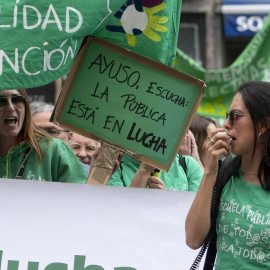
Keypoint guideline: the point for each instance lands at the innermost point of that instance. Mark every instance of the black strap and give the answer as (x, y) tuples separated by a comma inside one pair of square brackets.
[(182, 162), (121, 170), (21, 169), (223, 177), (208, 240)]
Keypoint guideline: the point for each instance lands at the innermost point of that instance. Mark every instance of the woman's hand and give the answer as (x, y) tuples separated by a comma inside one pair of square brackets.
[(216, 146), (156, 183), (142, 175), (198, 219), (186, 146), (117, 162), (190, 148), (146, 168)]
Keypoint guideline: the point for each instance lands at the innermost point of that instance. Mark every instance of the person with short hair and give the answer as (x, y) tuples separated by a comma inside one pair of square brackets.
[(41, 114), (84, 148)]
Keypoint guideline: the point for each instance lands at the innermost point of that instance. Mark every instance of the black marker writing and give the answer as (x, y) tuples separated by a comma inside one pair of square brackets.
[(116, 125), (81, 110), (159, 91), (105, 93), (141, 109), (148, 140), (121, 73)]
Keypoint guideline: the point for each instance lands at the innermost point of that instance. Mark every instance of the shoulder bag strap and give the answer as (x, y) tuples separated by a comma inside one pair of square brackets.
[(224, 175), (182, 162)]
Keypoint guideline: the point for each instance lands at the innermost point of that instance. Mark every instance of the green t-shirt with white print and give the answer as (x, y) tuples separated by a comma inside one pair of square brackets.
[(243, 227), (59, 163), (174, 179)]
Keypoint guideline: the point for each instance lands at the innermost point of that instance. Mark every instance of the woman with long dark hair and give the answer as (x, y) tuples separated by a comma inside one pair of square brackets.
[(243, 219)]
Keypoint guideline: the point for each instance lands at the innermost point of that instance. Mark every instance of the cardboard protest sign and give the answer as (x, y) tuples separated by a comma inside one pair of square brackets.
[(40, 39), (130, 101)]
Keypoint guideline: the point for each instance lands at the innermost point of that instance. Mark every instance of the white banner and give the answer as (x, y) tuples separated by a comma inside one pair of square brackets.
[(60, 226)]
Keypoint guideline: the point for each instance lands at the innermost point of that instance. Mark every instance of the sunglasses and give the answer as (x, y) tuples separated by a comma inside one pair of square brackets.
[(17, 101), (233, 116)]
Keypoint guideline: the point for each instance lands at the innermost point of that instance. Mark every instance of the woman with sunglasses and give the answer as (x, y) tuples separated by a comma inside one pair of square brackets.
[(243, 218), (27, 152)]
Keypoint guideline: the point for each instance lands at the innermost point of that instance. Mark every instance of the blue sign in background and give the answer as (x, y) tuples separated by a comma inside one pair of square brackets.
[(243, 25), (244, 18), (245, 2)]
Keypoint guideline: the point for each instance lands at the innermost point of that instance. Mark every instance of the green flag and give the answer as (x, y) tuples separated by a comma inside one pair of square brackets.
[(40, 39), (253, 64)]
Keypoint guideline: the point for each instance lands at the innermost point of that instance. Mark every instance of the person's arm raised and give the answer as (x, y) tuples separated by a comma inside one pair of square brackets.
[(142, 175), (198, 219)]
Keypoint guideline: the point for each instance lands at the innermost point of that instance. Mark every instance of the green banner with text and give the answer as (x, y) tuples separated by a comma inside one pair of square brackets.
[(40, 39), (253, 64)]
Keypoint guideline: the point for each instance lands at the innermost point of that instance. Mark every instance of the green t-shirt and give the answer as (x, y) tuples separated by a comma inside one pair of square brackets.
[(243, 227), (174, 179), (59, 163)]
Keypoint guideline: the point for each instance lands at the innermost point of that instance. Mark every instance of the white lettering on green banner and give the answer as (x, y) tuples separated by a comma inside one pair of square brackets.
[(40, 39)]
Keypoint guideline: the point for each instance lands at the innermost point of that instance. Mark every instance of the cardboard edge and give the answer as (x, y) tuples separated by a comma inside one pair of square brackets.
[(138, 58)]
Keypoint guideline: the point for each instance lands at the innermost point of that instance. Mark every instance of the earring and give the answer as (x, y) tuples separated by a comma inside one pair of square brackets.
[(259, 137)]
